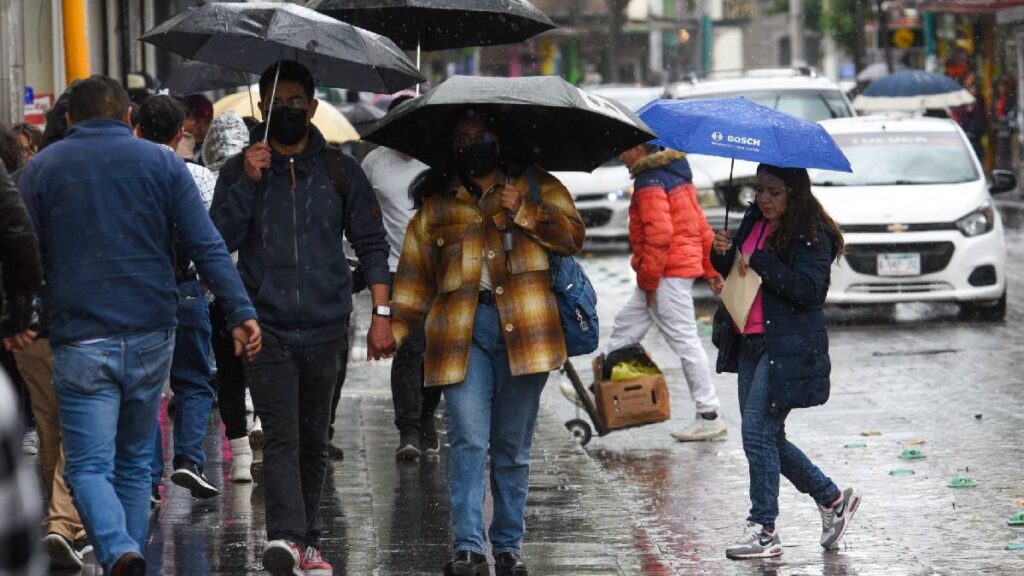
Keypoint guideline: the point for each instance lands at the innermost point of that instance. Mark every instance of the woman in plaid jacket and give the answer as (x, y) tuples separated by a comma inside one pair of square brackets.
[(492, 325)]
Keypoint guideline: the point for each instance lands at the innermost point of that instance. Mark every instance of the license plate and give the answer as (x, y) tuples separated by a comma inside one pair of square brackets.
[(899, 264)]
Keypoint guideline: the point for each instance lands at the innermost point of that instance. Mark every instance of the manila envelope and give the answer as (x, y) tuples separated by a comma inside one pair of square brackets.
[(739, 293)]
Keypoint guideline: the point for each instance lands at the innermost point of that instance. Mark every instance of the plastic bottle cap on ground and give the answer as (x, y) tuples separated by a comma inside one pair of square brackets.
[(871, 433), (855, 445), (901, 472), (1017, 519), (962, 482), (911, 454), (1015, 546)]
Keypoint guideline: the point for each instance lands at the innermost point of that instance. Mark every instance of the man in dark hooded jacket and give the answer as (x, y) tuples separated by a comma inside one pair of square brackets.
[(285, 205)]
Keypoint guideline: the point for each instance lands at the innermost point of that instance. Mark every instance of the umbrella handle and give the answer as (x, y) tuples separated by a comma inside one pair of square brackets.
[(732, 163), (417, 61), (270, 109)]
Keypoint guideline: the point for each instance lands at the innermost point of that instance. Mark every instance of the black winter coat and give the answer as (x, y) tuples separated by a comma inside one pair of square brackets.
[(20, 261), (793, 296)]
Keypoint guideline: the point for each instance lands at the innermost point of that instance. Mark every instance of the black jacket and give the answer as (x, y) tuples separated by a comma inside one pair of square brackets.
[(793, 297), (289, 241), (20, 262)]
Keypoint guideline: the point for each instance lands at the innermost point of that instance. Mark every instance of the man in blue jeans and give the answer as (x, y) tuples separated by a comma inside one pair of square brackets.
[(160, 121), (106, 207)]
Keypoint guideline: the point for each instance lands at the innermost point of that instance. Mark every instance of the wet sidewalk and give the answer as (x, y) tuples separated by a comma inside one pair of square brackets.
[(384, 517)]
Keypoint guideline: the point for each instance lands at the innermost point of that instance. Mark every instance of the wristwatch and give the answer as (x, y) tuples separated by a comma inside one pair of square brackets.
[(384, 311)]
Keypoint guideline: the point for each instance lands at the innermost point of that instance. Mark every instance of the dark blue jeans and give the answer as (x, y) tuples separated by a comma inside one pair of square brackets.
[(191, 379), (108, 391), (490, 411), (764, 442)]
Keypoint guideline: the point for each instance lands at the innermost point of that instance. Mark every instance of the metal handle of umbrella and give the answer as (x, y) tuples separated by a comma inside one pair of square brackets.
[(270, 109), (732, 163)]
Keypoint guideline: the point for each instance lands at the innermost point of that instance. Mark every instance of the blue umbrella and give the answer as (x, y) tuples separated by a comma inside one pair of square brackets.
[(739, 129), (912, 90)]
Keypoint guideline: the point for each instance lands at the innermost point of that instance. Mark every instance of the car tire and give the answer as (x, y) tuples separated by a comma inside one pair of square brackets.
[(984, 311)]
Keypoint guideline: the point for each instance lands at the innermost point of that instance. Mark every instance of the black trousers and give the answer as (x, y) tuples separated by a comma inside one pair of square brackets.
[(414, 404), (292, 388), (342, 372), (230, 379)]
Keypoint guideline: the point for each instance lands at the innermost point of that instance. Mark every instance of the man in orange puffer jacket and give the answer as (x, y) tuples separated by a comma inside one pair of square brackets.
[(671, 242)]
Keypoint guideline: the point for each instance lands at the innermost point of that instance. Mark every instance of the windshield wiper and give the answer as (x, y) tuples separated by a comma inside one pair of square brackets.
[(901, 183), (828, 183)]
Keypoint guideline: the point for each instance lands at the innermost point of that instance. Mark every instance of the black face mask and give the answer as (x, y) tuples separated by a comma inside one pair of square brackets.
[(478, 158), (288, 125)]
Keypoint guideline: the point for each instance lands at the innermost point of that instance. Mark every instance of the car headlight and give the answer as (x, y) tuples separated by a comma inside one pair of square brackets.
[(708, 198), (746, 196), (978, 222), (624, 194)]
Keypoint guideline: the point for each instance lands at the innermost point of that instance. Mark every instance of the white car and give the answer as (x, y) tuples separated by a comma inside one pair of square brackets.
[(917, 215), (797, 91), (603, 196)]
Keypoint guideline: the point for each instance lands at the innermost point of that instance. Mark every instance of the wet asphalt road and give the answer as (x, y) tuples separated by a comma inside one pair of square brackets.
[(635, 502)]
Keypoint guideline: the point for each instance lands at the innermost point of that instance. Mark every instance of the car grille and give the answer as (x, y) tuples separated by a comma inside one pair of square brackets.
[(591, 197), (900, 288), (885, 228), (594, 217), (863, 258)]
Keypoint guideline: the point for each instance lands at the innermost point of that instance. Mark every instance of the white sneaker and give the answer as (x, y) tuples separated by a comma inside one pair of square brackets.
[(701, 430), (241, 460), (755, 543), (30, 442), (282, 558), (569, 392), (836, 519), (256, 434), (62, 553)]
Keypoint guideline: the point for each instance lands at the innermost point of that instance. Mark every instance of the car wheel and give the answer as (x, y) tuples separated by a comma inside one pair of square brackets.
[(984, 311)]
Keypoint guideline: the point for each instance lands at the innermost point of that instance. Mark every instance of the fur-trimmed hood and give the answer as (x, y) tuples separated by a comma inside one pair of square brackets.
[(662, 159)]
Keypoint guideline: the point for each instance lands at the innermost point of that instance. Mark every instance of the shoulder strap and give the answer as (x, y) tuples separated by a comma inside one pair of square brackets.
[(534, 188), (335, 160)]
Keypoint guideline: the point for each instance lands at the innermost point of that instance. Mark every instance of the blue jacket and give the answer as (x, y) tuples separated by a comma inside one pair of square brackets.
[(105, 206), (289, 241), (793, 297)]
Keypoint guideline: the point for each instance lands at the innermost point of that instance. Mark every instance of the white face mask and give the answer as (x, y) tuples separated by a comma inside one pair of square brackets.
[(187, 146)]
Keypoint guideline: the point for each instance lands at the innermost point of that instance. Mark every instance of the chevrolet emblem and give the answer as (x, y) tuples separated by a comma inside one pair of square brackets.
[(897, 228)]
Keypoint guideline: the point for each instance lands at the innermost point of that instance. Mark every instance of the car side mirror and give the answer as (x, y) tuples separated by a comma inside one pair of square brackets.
[(1002, 181)]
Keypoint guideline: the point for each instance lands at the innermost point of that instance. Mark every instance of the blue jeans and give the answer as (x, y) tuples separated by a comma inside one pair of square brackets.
[(490, 409), (108, 392), (765, 445), (191, 380)]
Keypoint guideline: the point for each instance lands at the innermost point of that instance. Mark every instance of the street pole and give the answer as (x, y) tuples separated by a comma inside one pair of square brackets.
[(796, 33), (859, 48), (12, 63), (76, 45), (883, 35)]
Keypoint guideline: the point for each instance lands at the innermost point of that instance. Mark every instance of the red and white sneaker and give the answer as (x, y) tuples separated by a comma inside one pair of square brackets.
[(313, 564), (282, 558), (835, 520)]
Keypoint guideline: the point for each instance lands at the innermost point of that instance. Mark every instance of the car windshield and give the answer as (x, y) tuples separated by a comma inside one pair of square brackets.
[(807, 104), (881, 159)]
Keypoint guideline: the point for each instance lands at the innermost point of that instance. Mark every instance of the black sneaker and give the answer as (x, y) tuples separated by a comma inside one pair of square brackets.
[(429, 441), (509, 564), (408, 448), (335, 452), (83, 546), (154, 498), (189, 475), (62, 552), (466, 563)]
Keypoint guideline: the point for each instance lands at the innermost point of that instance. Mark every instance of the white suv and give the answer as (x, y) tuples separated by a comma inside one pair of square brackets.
[(917, 216), (799, 91)]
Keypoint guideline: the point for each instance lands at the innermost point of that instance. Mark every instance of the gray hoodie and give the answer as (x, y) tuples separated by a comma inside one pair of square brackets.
[(227, 137)]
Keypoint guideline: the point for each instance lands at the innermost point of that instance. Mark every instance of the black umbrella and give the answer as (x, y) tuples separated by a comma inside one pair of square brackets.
[(363, 117), (253, 36), (543, 120), (441, 24), (193, 76)]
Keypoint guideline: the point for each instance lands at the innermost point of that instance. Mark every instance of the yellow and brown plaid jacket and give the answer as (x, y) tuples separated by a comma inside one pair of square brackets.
[(446, 244)]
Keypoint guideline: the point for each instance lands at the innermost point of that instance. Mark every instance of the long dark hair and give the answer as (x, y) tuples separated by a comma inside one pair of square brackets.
[(803, 212)]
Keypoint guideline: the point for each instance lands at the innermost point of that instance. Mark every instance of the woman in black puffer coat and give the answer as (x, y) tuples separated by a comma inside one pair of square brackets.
[(781, 353)]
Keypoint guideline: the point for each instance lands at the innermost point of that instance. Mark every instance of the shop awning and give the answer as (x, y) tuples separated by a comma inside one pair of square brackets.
[(968, 6)]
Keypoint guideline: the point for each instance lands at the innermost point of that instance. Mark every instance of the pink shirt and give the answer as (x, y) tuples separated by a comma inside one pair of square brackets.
[(755, 241)]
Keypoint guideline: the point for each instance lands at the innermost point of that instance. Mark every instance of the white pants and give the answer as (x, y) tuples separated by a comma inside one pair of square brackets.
[(676, 318)]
